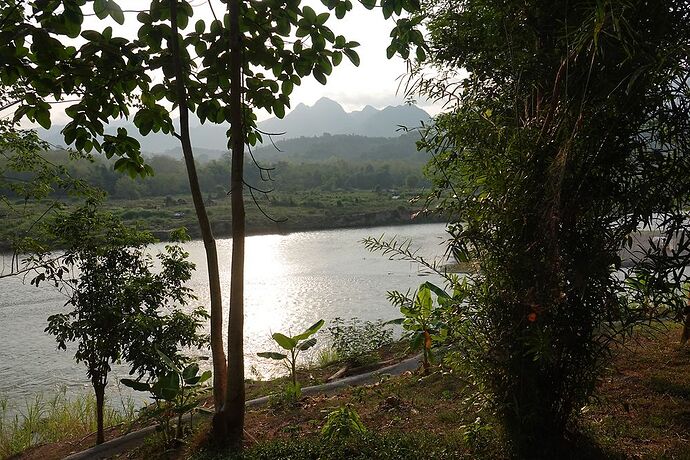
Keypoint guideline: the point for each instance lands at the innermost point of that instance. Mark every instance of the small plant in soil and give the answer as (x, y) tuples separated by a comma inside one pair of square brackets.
[(294, 346), (342, 423)]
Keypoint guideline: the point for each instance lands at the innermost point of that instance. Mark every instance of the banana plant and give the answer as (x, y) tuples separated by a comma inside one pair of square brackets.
[(420, 319), (176, 389), (293, 345)]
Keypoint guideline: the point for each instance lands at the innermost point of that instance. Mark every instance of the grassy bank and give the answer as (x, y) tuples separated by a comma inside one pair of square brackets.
[(45, 420)]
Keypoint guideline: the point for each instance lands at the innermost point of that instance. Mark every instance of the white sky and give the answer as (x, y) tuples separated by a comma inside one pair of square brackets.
[(375, 82)]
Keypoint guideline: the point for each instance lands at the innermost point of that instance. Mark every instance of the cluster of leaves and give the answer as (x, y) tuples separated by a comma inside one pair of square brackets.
[(342, 423), (425, 325), (175, 393), (357, 341), (370, 446)]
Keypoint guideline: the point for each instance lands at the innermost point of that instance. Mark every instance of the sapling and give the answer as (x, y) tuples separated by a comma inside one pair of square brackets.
[(294, 346)]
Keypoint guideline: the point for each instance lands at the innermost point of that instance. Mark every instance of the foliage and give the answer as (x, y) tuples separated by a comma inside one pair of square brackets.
[(567, 135), (342, 423), (119, 303), (111, 75), (288, 176), (174, 392), (28, 174), (288, 395), (424, 324), (222, 72), (294, 345), (356, 341)]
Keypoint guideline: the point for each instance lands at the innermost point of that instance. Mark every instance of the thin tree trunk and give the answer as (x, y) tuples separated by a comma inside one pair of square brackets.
[(234, 401), (217, 351), (99, 389)]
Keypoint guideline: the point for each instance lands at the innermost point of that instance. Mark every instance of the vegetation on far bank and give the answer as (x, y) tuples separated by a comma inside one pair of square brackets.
[(295, 211)]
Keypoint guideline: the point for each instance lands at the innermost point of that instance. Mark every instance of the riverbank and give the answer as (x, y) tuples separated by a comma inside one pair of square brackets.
[(280, 214), (640, 410)]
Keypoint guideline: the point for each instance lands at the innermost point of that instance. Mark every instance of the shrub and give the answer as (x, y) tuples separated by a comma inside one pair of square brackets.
[(357, 341)]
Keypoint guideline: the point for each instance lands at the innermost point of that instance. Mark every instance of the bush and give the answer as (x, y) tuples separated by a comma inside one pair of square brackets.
[(356, 341)]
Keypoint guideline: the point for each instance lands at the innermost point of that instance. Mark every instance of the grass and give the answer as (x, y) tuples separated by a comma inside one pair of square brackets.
[(49, 419)]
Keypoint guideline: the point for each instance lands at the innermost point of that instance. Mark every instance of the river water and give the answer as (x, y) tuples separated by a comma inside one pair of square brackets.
[(291, 282)]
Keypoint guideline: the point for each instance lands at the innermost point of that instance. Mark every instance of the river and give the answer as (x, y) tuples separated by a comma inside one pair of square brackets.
[(291, 282)]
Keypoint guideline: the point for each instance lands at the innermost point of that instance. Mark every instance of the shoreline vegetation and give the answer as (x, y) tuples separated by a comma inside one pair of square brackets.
[(281, 214), (639, 411)]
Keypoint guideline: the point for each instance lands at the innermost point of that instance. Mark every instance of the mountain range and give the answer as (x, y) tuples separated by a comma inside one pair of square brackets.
[(325, 116)]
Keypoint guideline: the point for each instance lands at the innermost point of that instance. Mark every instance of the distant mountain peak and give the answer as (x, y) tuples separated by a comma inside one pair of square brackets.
[(326, 101), (328, 116)]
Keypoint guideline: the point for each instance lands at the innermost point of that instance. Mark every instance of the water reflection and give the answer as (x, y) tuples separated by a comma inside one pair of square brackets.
[(291, 282)]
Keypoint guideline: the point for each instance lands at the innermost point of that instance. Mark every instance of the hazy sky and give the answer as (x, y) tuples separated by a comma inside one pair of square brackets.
[(374, 82)]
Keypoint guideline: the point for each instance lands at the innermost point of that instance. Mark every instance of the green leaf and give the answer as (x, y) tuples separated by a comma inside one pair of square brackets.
[(436, 290), (190, 371), (424, 300), (322, 18), (200, 26), (311, 330), (394, 321), (100, 8), (284, 341), (368, 4), (278, 109), (116, 12), (271, 355), (337, 58), (307, 344), (42, 117), (390, 51), (309, 14), (136, 385), (168, 362), (320, 77), (352, 56), (204, 376), (287, 87), (167, 386)]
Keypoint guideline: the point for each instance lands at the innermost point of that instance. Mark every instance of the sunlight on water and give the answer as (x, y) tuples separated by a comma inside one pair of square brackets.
[(291, 281)]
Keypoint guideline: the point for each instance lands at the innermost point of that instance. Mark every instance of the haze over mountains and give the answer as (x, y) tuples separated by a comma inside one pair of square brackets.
[(325, 116)]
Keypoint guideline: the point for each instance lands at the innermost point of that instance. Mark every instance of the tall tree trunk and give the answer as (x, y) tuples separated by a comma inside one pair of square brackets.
[(99, 389), (234, 401), (217, 351)]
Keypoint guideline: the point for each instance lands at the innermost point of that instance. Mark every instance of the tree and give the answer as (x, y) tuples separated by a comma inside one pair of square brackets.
[(122, 310), (569, 130), (111, 77)]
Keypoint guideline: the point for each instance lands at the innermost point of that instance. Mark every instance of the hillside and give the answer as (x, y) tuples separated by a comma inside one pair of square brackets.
[(351, 148)]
